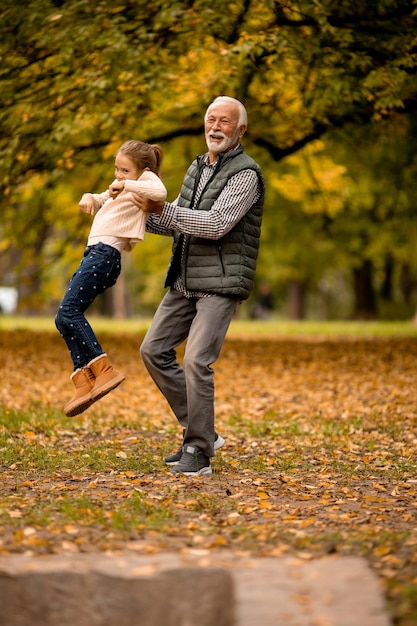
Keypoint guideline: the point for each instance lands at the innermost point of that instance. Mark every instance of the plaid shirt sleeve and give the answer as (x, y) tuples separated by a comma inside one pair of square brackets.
[(153, 223), (239, 194)]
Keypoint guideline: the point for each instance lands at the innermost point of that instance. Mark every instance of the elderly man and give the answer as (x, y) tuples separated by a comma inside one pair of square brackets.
[(215, 223)]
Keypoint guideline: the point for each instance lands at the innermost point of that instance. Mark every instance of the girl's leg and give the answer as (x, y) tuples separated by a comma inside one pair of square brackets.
[(98, 270)]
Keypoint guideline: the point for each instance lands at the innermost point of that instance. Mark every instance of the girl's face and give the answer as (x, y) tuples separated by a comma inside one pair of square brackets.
[(125, 168)]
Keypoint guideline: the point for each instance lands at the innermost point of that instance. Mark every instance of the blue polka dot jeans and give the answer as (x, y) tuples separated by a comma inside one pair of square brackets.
[(99, 269)]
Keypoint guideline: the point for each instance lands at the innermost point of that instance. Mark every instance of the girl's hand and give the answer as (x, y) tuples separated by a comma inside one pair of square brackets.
[(86, 204), (116, 187)]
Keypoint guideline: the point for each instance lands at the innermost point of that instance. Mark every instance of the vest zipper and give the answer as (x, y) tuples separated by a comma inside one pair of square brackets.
[(219, 248)]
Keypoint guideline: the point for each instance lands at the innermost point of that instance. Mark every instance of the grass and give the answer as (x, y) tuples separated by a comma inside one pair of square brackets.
[(255, 329)]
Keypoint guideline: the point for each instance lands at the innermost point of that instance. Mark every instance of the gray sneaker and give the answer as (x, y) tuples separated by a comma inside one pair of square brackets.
[(193, 462), (175, 457), (218, 441)]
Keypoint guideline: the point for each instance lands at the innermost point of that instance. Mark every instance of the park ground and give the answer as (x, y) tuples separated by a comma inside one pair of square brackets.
[(320, 455)]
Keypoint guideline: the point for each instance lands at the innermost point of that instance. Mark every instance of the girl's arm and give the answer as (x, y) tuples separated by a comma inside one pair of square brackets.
[(92, 202), (148, 184)]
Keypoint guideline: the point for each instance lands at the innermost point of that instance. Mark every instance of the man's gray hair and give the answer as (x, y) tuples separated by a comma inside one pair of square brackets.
[(243, 116)]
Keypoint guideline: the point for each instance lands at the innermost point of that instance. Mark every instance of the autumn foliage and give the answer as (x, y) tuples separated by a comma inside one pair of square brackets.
[(320, 456), (330, 87)]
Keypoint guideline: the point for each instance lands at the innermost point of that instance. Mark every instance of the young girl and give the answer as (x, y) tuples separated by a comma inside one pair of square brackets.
[(118, 225)]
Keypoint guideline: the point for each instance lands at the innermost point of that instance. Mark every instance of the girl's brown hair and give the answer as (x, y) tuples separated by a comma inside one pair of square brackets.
[(143, 154)]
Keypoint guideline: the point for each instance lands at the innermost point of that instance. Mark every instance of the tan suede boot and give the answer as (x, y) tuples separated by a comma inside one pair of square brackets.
[(83, 381), (107, 378)]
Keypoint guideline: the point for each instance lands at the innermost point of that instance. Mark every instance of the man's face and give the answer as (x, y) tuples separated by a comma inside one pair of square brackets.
[(221, 128)]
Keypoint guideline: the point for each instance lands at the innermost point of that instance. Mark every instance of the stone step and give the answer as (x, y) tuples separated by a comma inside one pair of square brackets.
[(194, 589)]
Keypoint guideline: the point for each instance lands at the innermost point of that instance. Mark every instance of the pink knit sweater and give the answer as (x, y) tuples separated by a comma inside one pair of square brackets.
[(119, 217)]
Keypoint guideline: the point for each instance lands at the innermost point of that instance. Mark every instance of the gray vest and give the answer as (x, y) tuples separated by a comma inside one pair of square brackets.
[(224, 266)]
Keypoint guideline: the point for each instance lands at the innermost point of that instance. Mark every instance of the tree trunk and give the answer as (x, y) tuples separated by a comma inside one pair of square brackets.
[(406, 283), (365, 301), (296, 296), (386, 287), (112, 303), (119, 300)]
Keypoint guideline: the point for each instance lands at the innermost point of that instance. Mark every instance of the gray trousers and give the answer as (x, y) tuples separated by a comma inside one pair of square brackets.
[(189, 389)]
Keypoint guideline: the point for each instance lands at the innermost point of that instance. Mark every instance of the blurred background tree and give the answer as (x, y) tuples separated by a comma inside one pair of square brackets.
[(331, 92)]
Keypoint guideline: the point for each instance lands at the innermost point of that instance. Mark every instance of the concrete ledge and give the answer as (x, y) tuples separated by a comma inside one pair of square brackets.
[(333, 591), (103, 591), (193, 589)]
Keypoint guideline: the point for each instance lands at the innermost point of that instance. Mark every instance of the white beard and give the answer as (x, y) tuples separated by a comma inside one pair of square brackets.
[(225, 144)]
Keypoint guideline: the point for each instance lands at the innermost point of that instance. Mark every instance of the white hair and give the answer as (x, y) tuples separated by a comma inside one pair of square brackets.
[(243, 116)]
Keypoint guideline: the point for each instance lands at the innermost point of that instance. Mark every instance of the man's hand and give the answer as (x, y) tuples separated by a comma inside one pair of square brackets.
[(147, 205), (86, 204)]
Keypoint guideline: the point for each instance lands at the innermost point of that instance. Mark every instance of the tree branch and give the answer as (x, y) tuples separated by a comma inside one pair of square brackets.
[(357, 21)]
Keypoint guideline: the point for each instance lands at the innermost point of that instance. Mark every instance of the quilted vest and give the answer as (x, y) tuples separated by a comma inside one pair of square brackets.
[(224, 266)]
